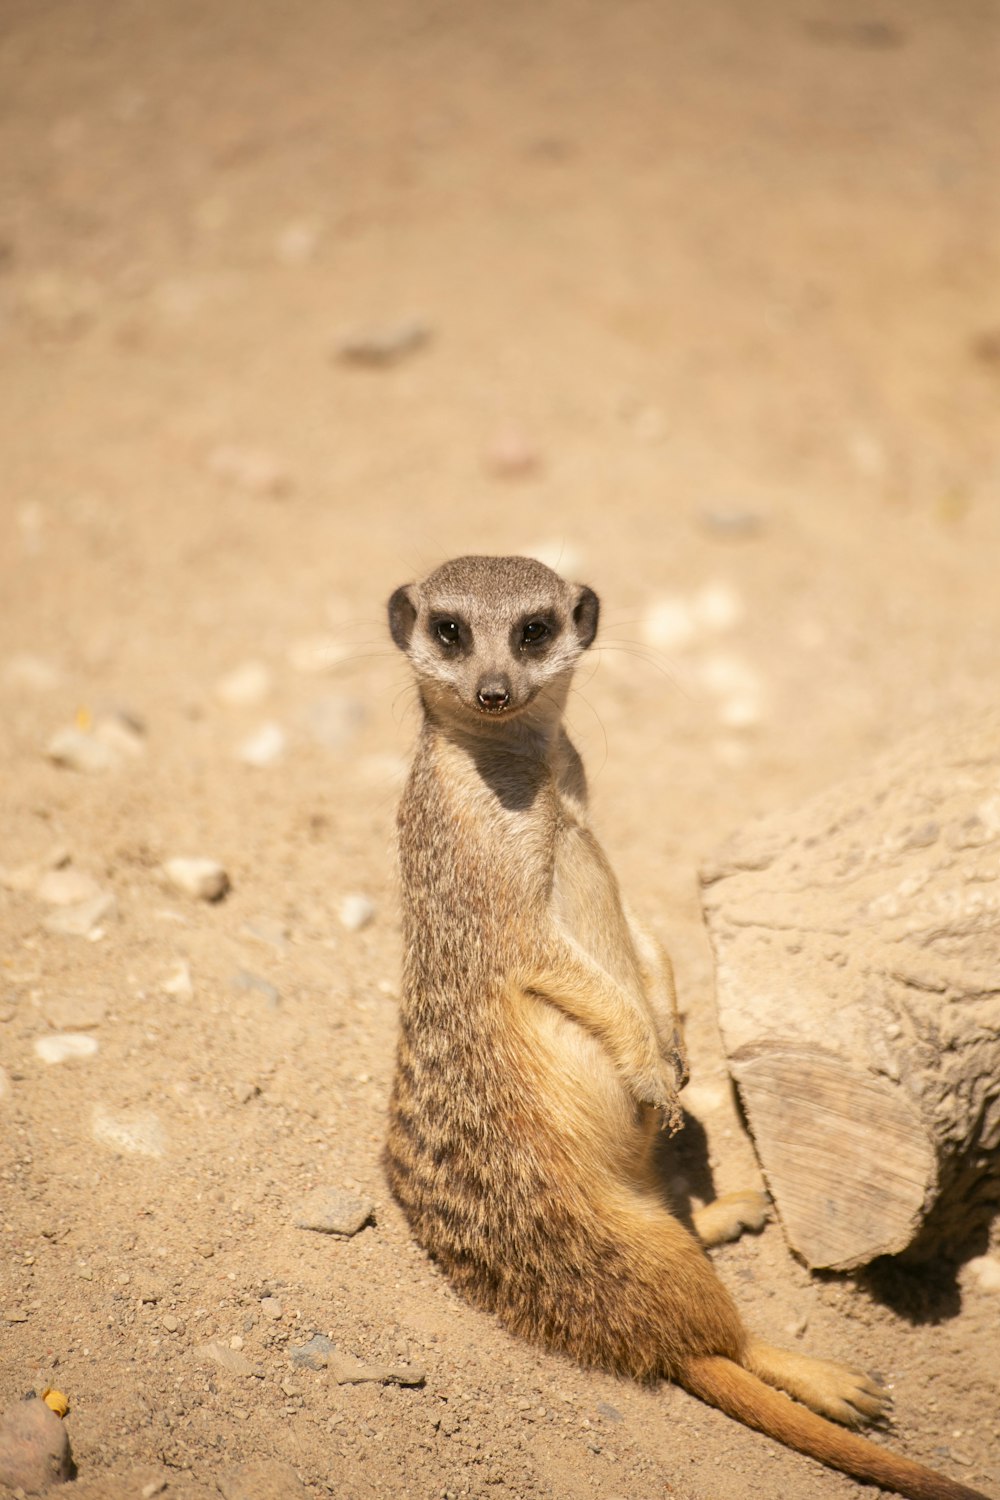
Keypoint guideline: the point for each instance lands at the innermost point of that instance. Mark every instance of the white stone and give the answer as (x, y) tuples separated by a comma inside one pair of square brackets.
[(253, 470), (78, 750), (316, 654), (264, 747), (83, 918), (137, 1132), (204, 879), (717, 607), (62, 1045), (178, 983), (986, 1270), (355, 911), (32, 672), (66, 887), (668, 623), (559, 555), (245, 685)]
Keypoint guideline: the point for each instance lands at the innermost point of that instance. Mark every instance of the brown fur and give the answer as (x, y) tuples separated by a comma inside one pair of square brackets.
[(538, 1050)]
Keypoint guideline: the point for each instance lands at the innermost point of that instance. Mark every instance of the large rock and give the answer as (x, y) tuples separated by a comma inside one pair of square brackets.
[(857, 944), (34, 1448)]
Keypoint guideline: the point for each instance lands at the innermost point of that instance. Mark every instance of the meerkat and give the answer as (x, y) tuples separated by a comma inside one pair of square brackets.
[(539, 1052)]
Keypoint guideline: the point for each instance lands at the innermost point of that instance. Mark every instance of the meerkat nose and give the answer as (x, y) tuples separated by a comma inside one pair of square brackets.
[(493, 695)]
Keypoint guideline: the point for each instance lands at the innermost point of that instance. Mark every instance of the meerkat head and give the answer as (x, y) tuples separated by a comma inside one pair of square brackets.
[(493, 638)]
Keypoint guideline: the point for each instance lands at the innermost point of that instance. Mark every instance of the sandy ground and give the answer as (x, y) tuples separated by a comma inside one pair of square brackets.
[(709, 299)]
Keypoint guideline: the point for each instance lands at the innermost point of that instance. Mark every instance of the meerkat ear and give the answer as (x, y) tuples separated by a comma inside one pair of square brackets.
[(402, 616), (585, 615)]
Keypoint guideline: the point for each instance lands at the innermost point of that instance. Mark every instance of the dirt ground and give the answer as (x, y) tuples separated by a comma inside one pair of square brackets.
[(699, 302)]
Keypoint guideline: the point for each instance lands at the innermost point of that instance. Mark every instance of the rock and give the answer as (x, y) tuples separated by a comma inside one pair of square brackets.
[(178, 982), (329, 1210), (379, 348), (857, 947), (268, 1479), (34, 1448), (732, 521), (986, 1271), (512, 455), (32, 672), (297, 243), (171, 1323), (559, 555), (245, 685), (355, 911), (264, 747), (253, 982), (73, 1012), (136, 1132), (79, 750), (204, 879), (272, 1308), (317, 654), (334, 720), (255, 471), (346, 1369), (314, 1354), (227, 1359), (737, 687), (84, 919), (64, 1045), (66, 887)]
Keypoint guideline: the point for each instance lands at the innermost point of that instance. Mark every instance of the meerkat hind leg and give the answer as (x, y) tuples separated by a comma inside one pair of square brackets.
[(834, 1390), (728, 1217)]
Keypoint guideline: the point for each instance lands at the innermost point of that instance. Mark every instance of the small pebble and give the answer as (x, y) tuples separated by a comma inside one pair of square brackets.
[(154, 1487), (170, 1322), (32, 672), (222, 1355), (245, 685), (264, 747), (253, 982), (334, 720), (986, 1271), (355, 912), (314, 1354), (178, 982), (137, 1133), (731, 522), (271, 1307), (297, 243), (378, 348), (317, 654), (78, 750), (332, 1211), (83, 920), (668, 623), (74, 1012), (559, 555), (512, 455), (204, 879), (63, 1045), (66, 887), (255, 471)]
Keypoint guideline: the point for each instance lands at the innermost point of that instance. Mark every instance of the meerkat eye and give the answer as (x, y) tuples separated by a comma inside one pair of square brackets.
[(448, 632), (533, 632)]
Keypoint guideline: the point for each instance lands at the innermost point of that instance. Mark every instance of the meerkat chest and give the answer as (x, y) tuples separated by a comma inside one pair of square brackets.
[(586, 904)]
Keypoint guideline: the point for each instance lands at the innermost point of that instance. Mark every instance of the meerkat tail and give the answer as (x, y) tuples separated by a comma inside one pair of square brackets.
[(723, 1384)]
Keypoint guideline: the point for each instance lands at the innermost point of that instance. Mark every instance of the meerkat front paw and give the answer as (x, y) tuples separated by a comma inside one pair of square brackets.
[(657, 1088)]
